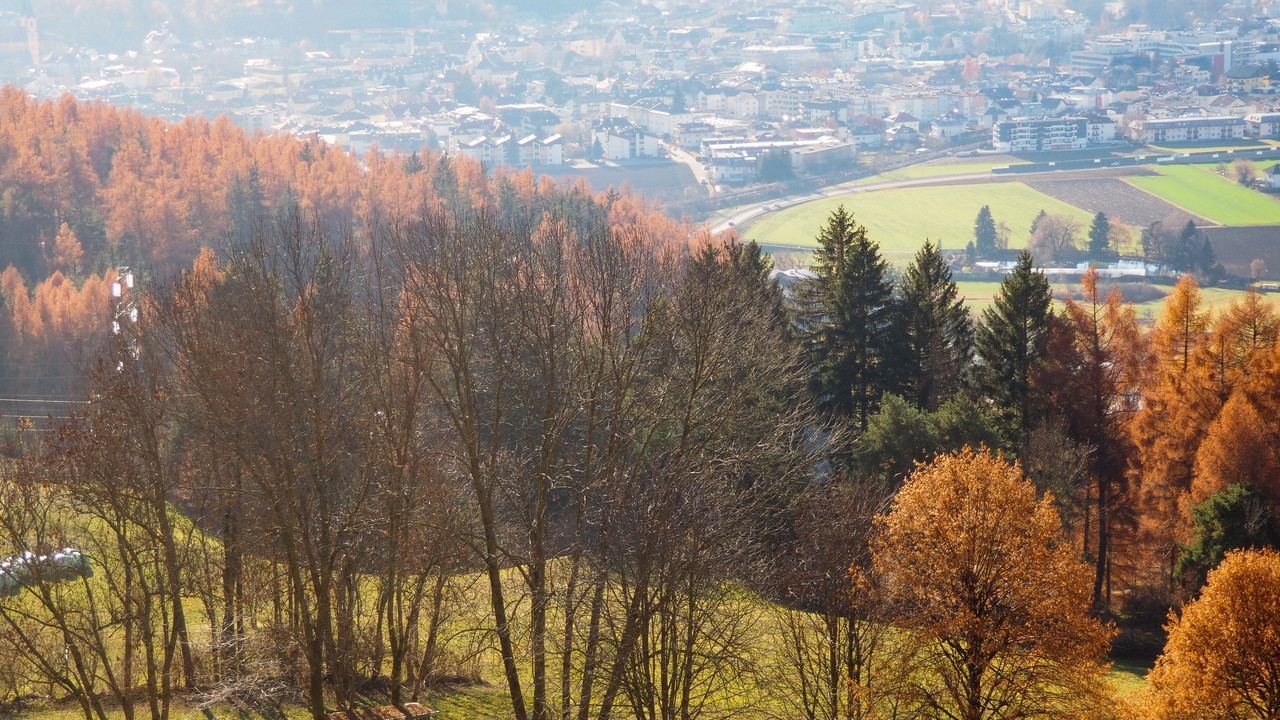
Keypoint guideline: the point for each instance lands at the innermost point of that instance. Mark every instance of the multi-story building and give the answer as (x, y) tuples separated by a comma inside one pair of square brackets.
[(1262, 125), (1039, 135), (1187, 129), (1247, 78)]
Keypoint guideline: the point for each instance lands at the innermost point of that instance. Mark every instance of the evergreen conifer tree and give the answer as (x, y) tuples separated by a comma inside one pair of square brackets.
[(849, 320), (984, 232), (1099, 236), (937, 331), (1012, 340)]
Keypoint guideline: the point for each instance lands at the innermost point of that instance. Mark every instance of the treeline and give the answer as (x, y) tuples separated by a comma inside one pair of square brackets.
[(88, 188)]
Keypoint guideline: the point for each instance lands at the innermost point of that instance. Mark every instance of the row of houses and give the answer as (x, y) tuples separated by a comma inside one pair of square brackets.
[(1075, 133), (507, 150)]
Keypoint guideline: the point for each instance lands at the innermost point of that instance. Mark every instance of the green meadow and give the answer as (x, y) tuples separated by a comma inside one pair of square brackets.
[(901, 219), (1205, 193)]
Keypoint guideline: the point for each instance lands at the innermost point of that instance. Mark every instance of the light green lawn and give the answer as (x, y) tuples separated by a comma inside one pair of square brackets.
[(1202, 192), (1129, 677), (900, 220), (1239, 146), (912, 172)]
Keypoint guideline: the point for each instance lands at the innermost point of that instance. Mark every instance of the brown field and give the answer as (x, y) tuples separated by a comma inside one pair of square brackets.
[(1116, 198), (1237, 247)]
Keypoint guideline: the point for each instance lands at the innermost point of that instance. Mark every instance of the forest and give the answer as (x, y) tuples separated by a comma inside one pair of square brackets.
[(333, 430)]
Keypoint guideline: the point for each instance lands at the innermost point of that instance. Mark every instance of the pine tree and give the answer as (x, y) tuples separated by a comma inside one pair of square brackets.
[(1012, 340), (1099, 236), (984, 232), (849, 319), (1036, 222), (937, 330)]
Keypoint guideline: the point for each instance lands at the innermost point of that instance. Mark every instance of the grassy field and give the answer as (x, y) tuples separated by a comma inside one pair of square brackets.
[(901, 219), (1210, 146), (979, 294), (912, 172), (1129, 676), (1211, 196)]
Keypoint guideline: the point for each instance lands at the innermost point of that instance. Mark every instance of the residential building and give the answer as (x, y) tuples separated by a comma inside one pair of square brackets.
[(1101, 129), (1246, 78), (1262, 125), (1188, 129), (1039, 135)]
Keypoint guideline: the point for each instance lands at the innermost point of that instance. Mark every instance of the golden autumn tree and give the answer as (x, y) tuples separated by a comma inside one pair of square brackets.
[(1098, 362), (995, 605), (67, 252), (1238, 450), (1222, 659), (1168, 429)]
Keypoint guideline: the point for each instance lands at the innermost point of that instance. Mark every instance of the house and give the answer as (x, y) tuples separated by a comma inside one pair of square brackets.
[(866, 136), (949, 127), (1271, 178), (905, 119), (991, 116)]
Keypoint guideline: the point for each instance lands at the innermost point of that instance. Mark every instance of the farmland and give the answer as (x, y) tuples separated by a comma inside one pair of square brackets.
[(1211, 196), (1113, 196), (901, 219)]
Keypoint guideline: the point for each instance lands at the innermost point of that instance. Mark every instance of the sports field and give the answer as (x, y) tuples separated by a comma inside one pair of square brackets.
[(900, 220), (1210, 196)]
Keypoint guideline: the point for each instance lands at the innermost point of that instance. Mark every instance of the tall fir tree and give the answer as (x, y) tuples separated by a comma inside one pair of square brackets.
[(849, 320), (1099, 236), (1035, 223), (937, 331), (1011, 344), (984, 232)]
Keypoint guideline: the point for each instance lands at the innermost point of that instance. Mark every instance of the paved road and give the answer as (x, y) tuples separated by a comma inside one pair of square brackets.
[(699, 172)]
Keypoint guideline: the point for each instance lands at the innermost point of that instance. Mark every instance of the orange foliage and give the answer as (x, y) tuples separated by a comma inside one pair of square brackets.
[(1168, 429), (1222, 659), (1238, 449), (67, 251), (998, 605)]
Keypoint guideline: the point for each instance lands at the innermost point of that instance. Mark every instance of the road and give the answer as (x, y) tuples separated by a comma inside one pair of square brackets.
[(699, 172)]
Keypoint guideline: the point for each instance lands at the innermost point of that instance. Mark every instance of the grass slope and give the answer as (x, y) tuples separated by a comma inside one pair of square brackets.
[(1211, 196), (901, 219)]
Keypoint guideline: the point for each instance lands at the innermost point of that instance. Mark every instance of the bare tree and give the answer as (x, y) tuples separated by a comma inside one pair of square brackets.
[(1056, 238)]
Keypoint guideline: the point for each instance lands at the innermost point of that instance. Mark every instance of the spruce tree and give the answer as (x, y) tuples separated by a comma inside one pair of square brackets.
[(1099, 232), (1035, 223), (984, 232), (938, 334), (849, 320), (1012, 341)]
